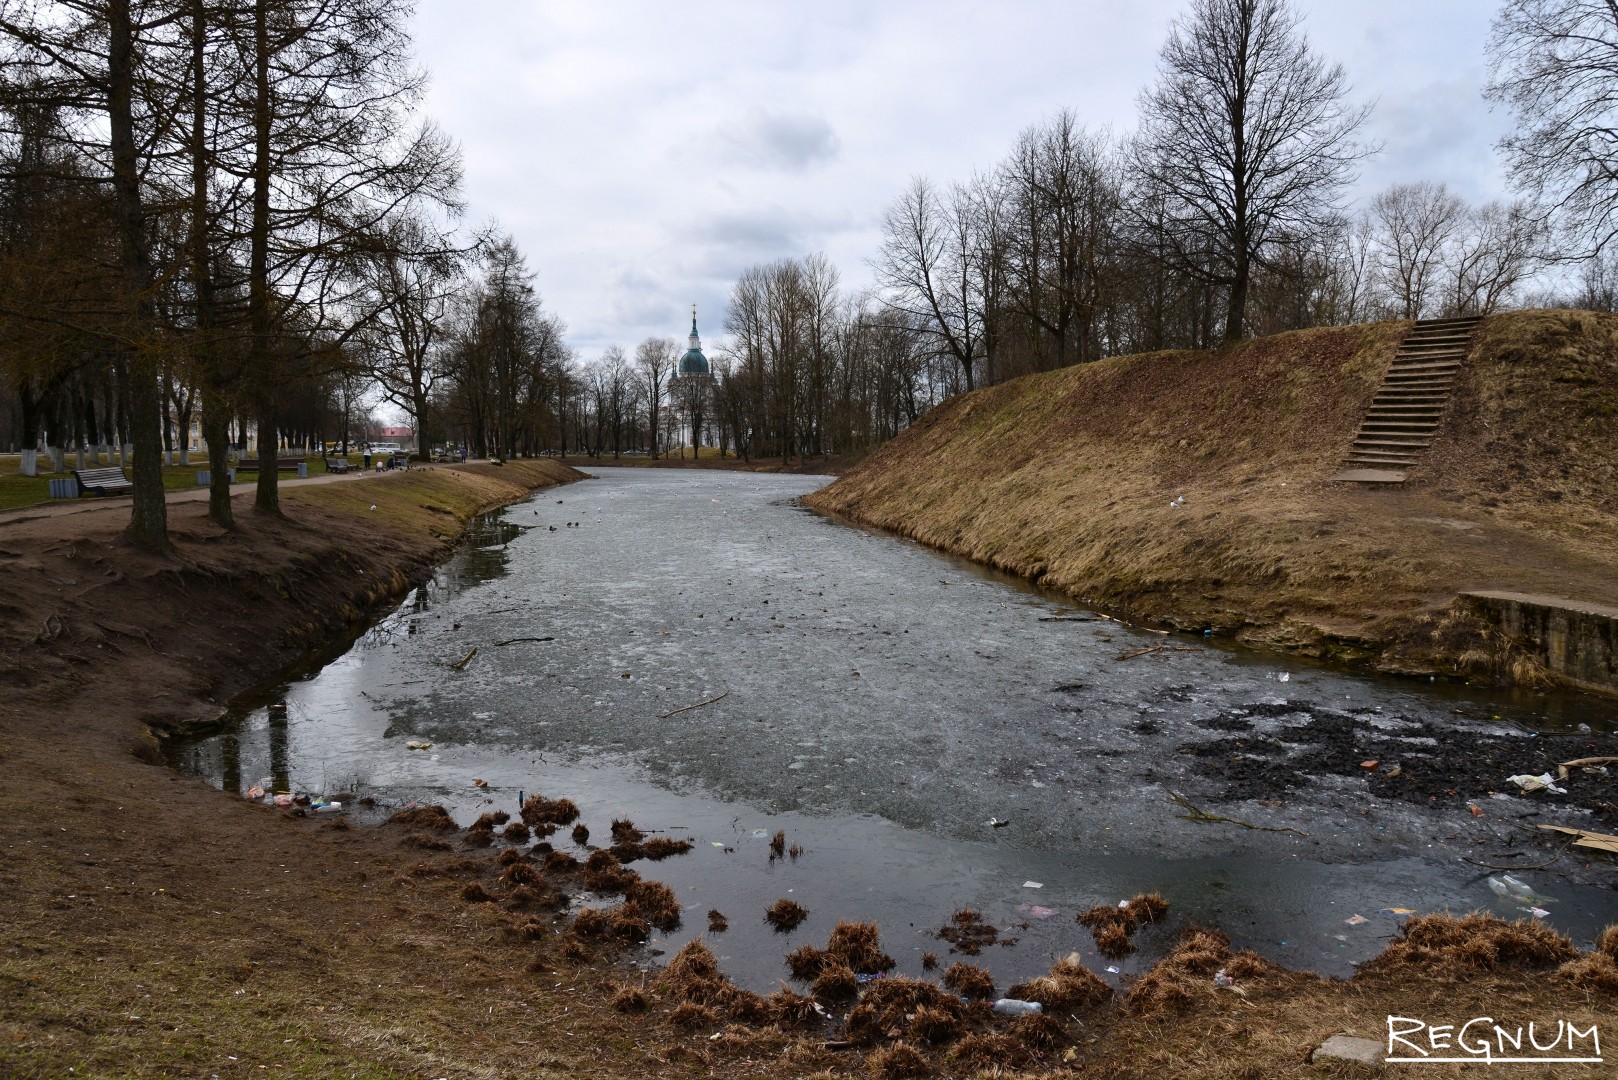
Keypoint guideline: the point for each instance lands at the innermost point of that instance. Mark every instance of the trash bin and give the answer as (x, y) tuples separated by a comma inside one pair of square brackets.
[(204, 478), (64, 487), (303, 470)]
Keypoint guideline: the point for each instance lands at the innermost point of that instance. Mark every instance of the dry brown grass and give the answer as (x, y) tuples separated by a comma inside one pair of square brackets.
[(630, 999), (693, 975), (1068, 986), (836, 982), (581, 834), (624, 832), (1066, 478), (717, 923), (969, 981), (655, 902), (859, 945), (1608, 942), (522, 872), (1596, 971), (434, 817), (538, 810), (560, 862), (898, 1062), (785, 914), (515, 832), (1456, 946)]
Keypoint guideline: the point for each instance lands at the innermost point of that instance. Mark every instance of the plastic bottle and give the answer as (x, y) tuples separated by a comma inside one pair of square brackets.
[(1016, 1007)]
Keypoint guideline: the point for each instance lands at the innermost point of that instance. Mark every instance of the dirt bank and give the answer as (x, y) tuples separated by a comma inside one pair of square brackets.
[(1068, 477), (153, 926)]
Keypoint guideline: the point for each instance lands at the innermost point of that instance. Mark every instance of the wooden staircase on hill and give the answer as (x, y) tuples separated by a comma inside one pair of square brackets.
[(1399, 426)]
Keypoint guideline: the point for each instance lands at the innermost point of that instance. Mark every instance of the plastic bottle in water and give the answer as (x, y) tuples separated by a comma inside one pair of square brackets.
[(1015, 1007)]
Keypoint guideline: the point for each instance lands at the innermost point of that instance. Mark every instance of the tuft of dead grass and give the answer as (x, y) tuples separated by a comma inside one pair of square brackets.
[(859, 945), (1608, 942), (985, 1050), (581, 834), (515, 832), (1596, 971), (624, 832), (898, 1062), (425, 842), (538, 810), (836, 982), (655, 902), (693, 975), (522, 872), (560, 862), (1039, 1031), (790, 1007), (691, 1016), (785, 914), (1455, 946), (630, 999), (434, 818), (717, 923), (1069, 986), (969, 981), (475, 893)]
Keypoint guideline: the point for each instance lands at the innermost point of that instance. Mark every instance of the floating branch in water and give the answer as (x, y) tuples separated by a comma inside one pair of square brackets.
[(688, 708), (1198, 814)]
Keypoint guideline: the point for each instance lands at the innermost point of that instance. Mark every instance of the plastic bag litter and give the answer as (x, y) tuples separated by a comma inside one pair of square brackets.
[(1517, 891), (1530, 784)]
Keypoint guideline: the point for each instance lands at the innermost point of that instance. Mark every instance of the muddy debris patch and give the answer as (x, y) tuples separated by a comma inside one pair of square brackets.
[(1270, 750), (967, 933)]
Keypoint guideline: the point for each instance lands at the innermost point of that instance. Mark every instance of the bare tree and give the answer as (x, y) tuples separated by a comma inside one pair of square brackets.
[(1414, 226), (1554, 63), (657, 358), (410, 283), (926, 266), (1246, 139), (1499, 248)]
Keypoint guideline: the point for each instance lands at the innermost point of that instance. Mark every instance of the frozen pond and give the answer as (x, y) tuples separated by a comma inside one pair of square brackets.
[(882, 703)]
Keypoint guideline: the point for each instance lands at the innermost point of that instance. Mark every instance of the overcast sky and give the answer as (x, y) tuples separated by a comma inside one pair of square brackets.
[(643, 154)]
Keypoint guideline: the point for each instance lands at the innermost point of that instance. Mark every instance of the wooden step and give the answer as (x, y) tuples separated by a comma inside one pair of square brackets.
[(1370, 476), (1403, 418)]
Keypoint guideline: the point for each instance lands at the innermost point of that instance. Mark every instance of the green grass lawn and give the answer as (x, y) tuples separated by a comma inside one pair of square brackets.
[(17, 490)]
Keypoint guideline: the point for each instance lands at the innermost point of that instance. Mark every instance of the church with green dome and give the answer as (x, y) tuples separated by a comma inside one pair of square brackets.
[(693, 362)]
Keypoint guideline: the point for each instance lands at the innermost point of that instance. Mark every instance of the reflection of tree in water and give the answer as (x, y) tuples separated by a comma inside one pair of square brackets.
[(230, 762)]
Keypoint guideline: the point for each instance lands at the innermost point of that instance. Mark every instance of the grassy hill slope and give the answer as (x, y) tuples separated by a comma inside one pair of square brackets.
[(1066, 477)]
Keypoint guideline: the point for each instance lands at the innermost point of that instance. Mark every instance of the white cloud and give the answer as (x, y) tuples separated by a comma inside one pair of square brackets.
[(644, 153)]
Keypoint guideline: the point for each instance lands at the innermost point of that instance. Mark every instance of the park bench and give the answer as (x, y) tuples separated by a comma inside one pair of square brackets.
[(337, 465), (108, 481), (281, 464)]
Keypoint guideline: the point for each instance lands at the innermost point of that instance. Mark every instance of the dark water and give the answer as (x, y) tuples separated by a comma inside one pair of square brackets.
[(881, 704)]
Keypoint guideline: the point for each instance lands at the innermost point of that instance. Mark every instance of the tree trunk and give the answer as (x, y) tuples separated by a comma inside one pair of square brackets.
[(268, 496), (148, 520)]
